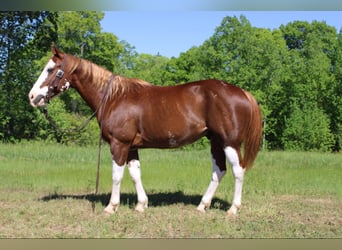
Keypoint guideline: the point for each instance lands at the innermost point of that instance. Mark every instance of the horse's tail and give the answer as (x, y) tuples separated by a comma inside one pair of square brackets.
[(254, 133)]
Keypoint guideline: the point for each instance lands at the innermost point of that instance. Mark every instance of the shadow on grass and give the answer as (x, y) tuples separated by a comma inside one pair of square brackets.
[(154, 199)]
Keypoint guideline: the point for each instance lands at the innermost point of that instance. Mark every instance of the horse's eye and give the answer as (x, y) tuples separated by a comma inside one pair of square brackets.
[(50, 70)]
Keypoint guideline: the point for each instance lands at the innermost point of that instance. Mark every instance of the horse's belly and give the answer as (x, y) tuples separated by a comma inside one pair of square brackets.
[(170, 138)]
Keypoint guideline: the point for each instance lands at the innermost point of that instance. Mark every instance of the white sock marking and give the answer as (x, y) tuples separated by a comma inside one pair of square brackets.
[(216, 178), (117, 175), (134, 170), (238, 173)]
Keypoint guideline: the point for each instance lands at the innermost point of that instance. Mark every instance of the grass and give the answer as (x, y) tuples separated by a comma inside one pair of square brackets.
[(46, 191)]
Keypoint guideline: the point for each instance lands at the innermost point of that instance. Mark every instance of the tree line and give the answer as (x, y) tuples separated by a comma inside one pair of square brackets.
[(295, 73)]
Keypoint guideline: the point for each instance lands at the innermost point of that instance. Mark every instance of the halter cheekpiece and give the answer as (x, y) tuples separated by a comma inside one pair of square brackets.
[(54, 85)]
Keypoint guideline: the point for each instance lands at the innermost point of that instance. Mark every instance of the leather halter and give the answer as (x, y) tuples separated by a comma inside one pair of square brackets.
[(81, 127), (53, 87)]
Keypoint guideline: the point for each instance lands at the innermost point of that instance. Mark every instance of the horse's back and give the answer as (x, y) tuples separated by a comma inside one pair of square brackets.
[(206, 99), (214, 87)]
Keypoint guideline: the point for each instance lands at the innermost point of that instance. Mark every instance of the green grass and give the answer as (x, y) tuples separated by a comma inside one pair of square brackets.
[(46, 190)]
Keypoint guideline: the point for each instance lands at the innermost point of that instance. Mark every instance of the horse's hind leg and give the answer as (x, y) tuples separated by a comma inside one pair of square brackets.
[(134, 170), (219, 170), (238, 173)]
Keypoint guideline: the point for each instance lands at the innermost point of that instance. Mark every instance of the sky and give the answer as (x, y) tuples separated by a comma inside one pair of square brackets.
[(171, 32)]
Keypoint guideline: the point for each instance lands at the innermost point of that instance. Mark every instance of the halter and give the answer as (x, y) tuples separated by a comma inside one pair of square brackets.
[(53, 87), (82, 126)]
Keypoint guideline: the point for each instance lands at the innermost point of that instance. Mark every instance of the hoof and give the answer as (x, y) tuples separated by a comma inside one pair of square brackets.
[(141, 206), (233, 212), (203, 206), (111, 209)]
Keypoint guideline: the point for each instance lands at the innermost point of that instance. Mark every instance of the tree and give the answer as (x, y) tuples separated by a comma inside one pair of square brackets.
[(77, 31), (23, 35), (107, 51), (313, 48), (308, 129), (151, 68), (335, 101), (186, 68)]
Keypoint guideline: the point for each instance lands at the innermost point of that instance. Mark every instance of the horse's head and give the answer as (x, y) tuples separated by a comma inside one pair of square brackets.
[(52, 81)]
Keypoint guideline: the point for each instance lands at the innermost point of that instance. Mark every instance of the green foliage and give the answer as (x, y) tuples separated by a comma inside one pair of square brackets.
[(188, 67), (297, 67), (148, 67), (69, 123), (308, 129), (77, 31), (21, 42)]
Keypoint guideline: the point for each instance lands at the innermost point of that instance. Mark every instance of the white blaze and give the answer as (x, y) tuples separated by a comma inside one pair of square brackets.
[(37, 92)]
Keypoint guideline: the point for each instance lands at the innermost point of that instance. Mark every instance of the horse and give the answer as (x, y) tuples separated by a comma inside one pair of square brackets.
[(135, 114)]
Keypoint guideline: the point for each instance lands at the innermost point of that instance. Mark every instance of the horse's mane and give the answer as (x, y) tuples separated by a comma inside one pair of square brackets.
[(101, 77)]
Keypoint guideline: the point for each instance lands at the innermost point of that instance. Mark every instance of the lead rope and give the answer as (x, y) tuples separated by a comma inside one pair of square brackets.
[(100, 147), (98, 163), (98, 170), (68, 131)]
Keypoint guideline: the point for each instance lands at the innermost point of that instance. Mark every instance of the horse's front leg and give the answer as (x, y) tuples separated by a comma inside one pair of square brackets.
[(119, 154), (134, 170), (117, 175)]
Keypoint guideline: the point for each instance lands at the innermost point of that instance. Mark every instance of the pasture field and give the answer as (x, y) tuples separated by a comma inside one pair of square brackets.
[(46, 191)]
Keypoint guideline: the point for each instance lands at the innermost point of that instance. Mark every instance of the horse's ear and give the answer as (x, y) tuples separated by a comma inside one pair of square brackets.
[(56, 52)]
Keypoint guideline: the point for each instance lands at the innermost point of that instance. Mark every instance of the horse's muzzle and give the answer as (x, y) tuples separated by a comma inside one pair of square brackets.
[(37, 101)]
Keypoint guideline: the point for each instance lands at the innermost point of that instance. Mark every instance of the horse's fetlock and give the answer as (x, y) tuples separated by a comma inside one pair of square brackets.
[(111, 208), (141, 206), (203, 206)]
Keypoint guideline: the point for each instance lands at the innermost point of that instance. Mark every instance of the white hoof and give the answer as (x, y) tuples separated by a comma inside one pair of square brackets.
[(202, 207), (233, 211), (111, 208), (141, 206)]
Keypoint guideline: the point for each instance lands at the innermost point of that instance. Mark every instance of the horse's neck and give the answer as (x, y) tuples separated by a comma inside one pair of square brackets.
[(92, 95)]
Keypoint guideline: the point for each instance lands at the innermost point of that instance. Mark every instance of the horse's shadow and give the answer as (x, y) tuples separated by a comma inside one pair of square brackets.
[(154, 199)]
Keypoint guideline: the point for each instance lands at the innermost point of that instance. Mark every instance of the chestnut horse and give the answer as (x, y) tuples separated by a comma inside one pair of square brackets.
[(134, 114)]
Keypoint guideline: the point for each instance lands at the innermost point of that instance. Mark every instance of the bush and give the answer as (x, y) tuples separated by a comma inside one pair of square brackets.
[(69, 124), (308, 129)]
